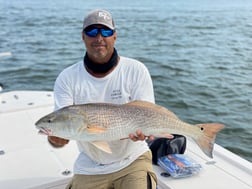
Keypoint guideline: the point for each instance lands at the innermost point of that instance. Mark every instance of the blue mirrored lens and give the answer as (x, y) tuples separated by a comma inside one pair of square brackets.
[(92, 32), (104, 32)]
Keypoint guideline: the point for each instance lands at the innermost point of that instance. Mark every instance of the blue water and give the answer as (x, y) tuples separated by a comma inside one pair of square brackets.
[(199, 53)]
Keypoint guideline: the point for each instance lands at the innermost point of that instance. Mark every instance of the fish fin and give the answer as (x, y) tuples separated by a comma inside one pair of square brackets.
[(125, 138), (102, 145), (155, 107), (164, 135), (207, 139), (95, 129)]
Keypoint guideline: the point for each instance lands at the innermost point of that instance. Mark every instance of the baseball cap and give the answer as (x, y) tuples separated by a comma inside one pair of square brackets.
[(102, 17)]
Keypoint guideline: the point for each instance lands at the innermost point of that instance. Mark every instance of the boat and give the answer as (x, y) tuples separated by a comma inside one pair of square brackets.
[(28, 161)]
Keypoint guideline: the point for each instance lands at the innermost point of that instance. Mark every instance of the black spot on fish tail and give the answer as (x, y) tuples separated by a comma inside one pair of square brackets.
[(207, 139)]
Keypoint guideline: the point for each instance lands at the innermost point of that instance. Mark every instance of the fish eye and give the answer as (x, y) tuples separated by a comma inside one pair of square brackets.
[(49, 121)]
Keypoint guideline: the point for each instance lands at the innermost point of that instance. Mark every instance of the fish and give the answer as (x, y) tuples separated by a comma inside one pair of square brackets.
[(98, 123)]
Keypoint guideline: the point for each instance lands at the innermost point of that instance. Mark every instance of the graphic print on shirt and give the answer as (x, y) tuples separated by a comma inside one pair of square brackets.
[(116, 94)]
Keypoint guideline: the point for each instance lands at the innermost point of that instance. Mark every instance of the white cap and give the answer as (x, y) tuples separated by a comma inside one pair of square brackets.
[(102, 17)]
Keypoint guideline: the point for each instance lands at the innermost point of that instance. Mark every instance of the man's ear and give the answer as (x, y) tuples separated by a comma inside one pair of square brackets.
[(115, 36)]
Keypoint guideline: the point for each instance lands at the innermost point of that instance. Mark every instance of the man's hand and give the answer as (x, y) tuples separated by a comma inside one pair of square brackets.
[(140, 136), (57, 142)]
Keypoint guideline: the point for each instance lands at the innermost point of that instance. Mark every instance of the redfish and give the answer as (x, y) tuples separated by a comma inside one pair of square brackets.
[(101, 122)]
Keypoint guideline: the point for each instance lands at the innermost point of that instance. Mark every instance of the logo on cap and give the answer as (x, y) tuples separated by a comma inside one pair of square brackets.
[(104, 15)]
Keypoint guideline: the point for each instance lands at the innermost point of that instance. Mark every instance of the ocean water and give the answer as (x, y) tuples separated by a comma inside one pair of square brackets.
[(199, 53)]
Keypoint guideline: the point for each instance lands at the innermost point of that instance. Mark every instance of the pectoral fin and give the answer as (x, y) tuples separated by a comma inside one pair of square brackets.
[(102, 145), (95, 129)]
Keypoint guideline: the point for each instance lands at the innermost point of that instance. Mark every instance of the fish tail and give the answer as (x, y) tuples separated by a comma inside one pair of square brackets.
[(207, 139)]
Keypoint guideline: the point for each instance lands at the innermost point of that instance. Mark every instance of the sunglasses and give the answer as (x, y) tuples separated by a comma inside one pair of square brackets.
[(93, 32)]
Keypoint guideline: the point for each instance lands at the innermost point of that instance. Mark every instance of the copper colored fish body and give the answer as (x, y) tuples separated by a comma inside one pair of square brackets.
[(110, 122)]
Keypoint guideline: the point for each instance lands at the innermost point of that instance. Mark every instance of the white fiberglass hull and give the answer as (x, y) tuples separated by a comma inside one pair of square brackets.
[(28, 161)]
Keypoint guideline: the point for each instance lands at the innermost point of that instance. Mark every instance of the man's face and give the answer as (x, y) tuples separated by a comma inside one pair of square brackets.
[(99, 48)]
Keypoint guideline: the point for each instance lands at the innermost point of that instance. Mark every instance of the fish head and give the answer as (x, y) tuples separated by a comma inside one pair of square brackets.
[(65, 122)]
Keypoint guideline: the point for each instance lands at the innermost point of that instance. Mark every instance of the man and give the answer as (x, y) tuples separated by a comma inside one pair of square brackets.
[(104, 76)]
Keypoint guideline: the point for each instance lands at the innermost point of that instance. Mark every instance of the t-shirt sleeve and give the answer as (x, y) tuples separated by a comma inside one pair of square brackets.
[(62, 93), (142, 86)]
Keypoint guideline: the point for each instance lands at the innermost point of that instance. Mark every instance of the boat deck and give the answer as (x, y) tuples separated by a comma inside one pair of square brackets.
[(28, 161)]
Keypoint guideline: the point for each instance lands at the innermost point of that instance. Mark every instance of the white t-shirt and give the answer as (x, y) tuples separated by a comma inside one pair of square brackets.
[(129, 81)]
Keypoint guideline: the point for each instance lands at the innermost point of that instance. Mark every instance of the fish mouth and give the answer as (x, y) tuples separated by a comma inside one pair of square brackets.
[(45, 131)]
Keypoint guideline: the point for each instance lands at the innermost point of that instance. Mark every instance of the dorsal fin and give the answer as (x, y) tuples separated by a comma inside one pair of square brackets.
[(155, 107)]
